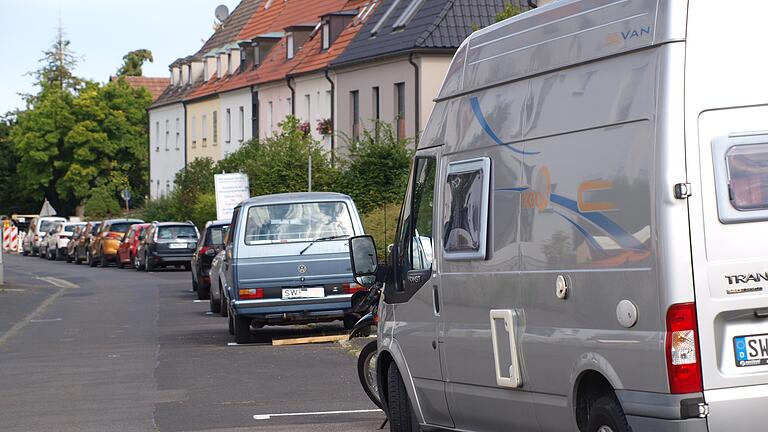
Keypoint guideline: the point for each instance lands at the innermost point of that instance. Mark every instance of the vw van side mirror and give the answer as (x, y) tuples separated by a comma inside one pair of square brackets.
[(365, 262)]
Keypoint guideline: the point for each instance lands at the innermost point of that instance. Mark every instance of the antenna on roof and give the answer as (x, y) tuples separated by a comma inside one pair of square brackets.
[(222, 13)]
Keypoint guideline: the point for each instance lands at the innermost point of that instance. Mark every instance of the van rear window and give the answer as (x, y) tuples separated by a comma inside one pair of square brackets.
[(748, 176), (301, 222)]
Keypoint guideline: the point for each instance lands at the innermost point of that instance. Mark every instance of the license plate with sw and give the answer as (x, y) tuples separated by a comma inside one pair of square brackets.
[(300, 293), (751, 350), (178, 245)]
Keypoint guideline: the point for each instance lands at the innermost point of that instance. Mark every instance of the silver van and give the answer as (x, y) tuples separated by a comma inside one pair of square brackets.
[(582, 245), (287, 261)]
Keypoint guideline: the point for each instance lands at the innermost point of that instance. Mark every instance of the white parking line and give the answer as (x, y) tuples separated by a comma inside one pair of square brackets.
[(61, 283), (318, 413), (44, 320), (200, 301)]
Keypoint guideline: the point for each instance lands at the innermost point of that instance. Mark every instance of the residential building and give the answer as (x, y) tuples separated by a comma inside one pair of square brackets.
[(394, 67), (155, 86)]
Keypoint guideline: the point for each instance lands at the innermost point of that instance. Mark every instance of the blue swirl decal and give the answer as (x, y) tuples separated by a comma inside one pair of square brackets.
[(488, 130)]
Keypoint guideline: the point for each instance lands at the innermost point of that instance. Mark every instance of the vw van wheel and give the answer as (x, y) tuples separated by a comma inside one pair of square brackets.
[(242, 329), (606, 415), (366, 371), (401, 415)]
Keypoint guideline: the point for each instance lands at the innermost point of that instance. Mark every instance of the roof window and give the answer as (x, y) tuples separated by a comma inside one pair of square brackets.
[(385, 18), (407, 15)]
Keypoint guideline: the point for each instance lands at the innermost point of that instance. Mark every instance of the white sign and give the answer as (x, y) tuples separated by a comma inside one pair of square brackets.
[(231, 190)]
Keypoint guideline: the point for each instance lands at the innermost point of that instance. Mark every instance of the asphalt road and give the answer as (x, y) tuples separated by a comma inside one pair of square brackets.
[(90, 349)]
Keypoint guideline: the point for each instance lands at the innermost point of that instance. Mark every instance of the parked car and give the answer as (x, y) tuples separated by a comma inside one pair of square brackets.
[(81, 250), (58, 238), (287, 261), (72, 243), (168, 244), (39, 230), (126, 252), (211, 242), (218, 301), (103, 247)]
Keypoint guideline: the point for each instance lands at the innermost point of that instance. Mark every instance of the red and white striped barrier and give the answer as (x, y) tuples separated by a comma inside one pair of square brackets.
[(14, 239), (20, 248), (6, 238)]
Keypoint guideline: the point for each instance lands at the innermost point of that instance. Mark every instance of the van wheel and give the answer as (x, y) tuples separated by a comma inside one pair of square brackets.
[(607, 416), (399, 409), (242, 329)]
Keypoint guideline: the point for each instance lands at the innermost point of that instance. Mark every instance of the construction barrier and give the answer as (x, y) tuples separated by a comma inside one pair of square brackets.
[(15, 239), (6, 237)]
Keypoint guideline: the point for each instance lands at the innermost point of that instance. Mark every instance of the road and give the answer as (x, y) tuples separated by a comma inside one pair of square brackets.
[(90, 349)]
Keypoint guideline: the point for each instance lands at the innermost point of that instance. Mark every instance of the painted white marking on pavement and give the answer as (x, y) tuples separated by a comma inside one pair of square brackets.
[(12, 290), (319, 413), (28, 319), (44, 320), (200, 301)]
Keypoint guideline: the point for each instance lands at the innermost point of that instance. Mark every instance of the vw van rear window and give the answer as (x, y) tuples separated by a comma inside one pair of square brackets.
[(301, 222), (748, 176)]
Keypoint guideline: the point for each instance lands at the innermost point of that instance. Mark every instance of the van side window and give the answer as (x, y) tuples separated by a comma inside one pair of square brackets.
[(415, 236), (465, 224)]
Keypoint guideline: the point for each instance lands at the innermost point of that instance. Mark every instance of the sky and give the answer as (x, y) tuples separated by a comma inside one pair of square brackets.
[(101, 32)]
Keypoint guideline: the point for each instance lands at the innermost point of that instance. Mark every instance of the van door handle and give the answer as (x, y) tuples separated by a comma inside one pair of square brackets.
[(436, 300)]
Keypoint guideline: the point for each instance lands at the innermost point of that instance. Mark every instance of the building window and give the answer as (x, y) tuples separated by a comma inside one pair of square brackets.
[(205, 130), (229, 63), (194, 131), (308, 104), (255, 114), (271, 116), (189, 74), (376, 103), (243, 59), (178, 132), (290, 45), (326, 35), (241, 124), (354, 104), (400, 105), (218, 66), (228, 125), (215, 128), (157, 136), (205, 70), (167, 186), (407, 15), (167, 134), (256, 58)]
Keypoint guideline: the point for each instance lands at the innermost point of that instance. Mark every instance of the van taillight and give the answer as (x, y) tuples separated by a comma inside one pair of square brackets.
[(351, 288), (252, 294), (683, 365)]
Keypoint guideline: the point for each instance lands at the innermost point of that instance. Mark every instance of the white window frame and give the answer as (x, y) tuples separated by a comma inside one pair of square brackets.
[(241, 128), (204, 129), (167, 133), (467, 166), (228, 125), (178, 132)]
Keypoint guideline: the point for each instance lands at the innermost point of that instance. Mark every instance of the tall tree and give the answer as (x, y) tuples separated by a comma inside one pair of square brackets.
[(58, 65), (133, 61)]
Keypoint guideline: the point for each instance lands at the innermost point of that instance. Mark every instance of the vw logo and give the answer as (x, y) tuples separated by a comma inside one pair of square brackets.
[(302, 268)]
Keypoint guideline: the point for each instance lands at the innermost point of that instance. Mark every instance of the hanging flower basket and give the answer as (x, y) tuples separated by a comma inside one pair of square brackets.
[(325, 127)]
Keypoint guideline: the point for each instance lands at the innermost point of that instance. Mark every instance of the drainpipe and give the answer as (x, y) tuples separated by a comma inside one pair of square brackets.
[(333, 116), (417, 80), (149, 156), (293, 96)]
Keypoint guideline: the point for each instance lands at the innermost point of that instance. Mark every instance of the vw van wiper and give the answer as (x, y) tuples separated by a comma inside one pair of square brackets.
[(336, 237)]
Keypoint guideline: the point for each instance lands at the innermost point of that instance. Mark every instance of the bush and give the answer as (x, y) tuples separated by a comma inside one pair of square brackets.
[(161, 209), (375, 222), (204, 210), (102, 204)]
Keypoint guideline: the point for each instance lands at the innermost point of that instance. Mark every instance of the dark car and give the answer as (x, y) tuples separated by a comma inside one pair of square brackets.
[(209, 245), (80, 250), (168, 244)]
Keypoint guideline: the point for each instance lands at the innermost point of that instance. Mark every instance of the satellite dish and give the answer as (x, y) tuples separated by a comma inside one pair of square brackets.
[(222, 12)]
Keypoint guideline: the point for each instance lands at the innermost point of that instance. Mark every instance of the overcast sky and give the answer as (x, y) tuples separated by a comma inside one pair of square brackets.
[(101, 32)]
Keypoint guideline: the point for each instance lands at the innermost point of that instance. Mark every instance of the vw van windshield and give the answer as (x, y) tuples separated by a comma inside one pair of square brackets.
[(301, 222)]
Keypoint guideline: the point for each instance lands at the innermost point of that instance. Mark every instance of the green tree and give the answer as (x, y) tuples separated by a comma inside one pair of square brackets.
[(509, 11), (102, 204), (192, 181), (133, 62)]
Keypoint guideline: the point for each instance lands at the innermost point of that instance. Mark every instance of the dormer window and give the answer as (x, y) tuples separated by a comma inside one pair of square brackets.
[(218, 66), (206, 75), (229, 63), (326, 35), (243, 58), (290, 43), (189, 74), (256, 57)]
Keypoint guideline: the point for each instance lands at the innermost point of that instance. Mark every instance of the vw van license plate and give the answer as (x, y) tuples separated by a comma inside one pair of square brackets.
[(751, 350), (297, 293), (178, 246)]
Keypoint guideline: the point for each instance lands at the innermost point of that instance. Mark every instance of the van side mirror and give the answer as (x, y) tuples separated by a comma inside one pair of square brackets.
[(365, 262)]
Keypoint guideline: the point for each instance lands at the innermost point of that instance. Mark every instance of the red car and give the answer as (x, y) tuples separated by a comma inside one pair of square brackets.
[(126, 252)]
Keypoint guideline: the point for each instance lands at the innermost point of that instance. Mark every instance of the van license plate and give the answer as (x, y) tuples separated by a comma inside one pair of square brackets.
[(297, 293), (751, 350)]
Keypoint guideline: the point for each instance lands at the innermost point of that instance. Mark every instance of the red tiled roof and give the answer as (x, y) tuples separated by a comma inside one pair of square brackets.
[(155, 86)]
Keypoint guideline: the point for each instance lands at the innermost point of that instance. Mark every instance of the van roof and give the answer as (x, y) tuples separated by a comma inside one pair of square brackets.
[(296, 197), (558, 35)]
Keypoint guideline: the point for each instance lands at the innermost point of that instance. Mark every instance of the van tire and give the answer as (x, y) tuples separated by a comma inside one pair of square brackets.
[(399, 407), (607, 413), (242, 329)]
